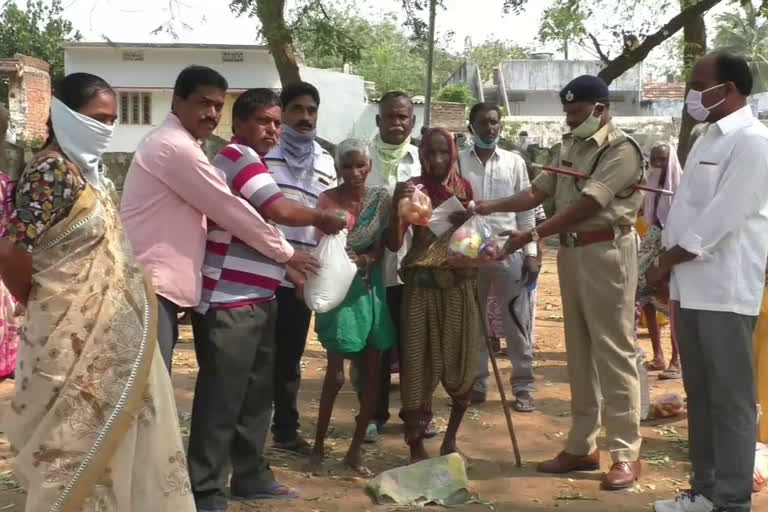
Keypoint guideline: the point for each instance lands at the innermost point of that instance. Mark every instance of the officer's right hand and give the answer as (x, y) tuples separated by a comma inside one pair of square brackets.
[(481, 208)]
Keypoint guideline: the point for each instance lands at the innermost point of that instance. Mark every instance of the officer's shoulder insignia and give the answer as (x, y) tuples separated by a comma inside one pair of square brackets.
[(569, 96)]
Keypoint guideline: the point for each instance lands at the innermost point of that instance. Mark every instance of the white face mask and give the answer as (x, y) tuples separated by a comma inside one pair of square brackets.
[(81, 138), (696, 108)]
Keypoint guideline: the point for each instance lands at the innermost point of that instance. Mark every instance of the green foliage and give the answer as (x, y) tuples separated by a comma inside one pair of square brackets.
[(492, 51), (563, 23), (456, 93), (745, 31), (378, 51), (36, 31)]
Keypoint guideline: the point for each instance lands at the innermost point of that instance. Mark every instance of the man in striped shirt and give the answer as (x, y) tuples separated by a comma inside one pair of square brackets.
[(235, 321), (303, 170)]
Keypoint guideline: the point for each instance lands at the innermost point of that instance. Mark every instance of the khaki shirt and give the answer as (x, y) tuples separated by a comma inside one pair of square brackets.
[(620, 167)]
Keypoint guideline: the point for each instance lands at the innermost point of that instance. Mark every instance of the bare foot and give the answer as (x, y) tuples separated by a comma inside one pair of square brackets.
[(674, 365), (316, 460), (449, 446), (656, 365), (418, 452), (355, 461)]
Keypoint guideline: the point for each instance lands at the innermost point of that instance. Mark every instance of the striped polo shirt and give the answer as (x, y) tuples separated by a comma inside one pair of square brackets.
[(304, 187), (234, 274)]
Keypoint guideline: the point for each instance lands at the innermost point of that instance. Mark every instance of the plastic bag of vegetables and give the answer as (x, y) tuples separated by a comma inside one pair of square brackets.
[(475, 240), (416, 209)]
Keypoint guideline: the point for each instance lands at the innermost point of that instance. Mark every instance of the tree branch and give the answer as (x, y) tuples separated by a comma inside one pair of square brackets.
[(616, 67), (599, 49)]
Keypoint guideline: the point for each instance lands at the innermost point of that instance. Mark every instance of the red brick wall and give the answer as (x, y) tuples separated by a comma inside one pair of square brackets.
[(37, 88)]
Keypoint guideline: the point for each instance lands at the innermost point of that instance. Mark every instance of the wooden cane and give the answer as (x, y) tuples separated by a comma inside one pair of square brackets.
[(499, 383), (581, 175)]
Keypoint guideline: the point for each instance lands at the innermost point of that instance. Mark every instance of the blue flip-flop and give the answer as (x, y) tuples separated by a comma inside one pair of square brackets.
[(271, 494)]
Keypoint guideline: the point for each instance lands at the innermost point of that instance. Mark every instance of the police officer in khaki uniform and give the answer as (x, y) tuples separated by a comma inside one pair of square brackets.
[(597, 264)]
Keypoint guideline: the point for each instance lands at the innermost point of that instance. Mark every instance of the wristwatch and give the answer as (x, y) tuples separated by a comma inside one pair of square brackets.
[(535, 235)]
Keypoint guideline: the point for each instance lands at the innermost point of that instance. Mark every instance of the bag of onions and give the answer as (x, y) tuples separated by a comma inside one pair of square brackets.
[(416, 209)]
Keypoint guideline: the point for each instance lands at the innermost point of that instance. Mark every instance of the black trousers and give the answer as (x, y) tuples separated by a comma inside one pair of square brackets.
[(293, 320), (167, 328), (233, 402)]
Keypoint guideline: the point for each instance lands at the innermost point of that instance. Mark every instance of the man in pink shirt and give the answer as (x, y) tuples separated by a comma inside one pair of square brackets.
[(171, 189)]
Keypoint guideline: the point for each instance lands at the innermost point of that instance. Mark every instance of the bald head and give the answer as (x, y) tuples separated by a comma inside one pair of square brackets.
[(725, 81)]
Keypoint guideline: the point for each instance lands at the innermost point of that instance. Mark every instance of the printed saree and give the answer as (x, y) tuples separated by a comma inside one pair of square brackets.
[(93, 423), (363, 317)]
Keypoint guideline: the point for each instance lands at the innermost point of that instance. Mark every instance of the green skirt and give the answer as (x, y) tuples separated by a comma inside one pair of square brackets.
[(362, 319)]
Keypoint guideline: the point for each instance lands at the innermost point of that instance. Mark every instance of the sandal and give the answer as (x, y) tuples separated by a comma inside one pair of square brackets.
[(277, 491), (298, 445), (523, 402)]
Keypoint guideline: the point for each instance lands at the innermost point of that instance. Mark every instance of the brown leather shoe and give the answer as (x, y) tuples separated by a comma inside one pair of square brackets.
[(566, 462), (621, 475)]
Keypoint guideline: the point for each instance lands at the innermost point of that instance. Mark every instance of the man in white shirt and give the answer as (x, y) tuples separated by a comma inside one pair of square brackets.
[(393, 160), (716, 241), (494, 174)]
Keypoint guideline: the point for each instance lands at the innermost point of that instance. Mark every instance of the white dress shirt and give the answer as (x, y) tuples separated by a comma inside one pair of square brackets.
[(503, 175), (720, 214), (409, 167)]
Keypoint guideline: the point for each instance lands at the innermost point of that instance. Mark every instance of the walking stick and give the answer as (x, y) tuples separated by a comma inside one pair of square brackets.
[(499, 383)]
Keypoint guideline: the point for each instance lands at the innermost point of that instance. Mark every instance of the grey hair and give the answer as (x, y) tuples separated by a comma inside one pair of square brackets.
[(351, 146), (662, 145)]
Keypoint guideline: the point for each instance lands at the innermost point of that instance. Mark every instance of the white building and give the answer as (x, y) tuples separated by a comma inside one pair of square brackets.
[(144, 76)]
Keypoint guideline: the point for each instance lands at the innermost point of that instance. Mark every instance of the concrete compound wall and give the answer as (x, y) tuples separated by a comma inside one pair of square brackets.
[(546, 131)]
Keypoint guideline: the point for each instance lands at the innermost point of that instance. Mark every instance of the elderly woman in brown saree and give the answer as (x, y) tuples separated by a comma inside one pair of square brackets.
[(93, 422), (441, 319)]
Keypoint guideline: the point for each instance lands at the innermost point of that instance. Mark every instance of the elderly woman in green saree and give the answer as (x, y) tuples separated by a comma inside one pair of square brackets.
[(360, 328), (93, 421)]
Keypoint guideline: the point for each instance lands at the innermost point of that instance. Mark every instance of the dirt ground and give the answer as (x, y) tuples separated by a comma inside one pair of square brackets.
[(483, 437)]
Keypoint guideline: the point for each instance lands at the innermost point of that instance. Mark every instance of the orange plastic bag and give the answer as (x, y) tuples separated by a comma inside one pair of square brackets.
[(416, 209)]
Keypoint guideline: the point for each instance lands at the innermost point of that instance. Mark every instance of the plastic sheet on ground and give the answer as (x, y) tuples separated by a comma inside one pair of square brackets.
[(437, 481)]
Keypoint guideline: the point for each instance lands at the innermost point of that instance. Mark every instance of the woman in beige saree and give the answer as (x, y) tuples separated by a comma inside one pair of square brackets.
[(93, 423)]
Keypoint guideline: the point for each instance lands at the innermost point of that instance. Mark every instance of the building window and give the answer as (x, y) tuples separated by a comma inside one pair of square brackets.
[(136, 108)]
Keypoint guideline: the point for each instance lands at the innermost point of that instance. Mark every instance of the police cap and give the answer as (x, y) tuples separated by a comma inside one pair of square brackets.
[(585, 89)]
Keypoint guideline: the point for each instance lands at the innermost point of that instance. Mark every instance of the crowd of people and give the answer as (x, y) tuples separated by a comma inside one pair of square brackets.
[(93, 421)]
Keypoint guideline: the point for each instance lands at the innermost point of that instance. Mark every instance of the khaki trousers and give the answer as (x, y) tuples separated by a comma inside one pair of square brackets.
[(597, 285)]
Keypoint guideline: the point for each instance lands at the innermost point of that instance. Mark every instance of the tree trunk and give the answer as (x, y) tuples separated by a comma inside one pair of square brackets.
[(279, 40), (694, 9), (565, 49), (695, 45)]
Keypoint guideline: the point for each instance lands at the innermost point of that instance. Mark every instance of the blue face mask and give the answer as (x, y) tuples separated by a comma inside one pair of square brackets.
[(482, 144)]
